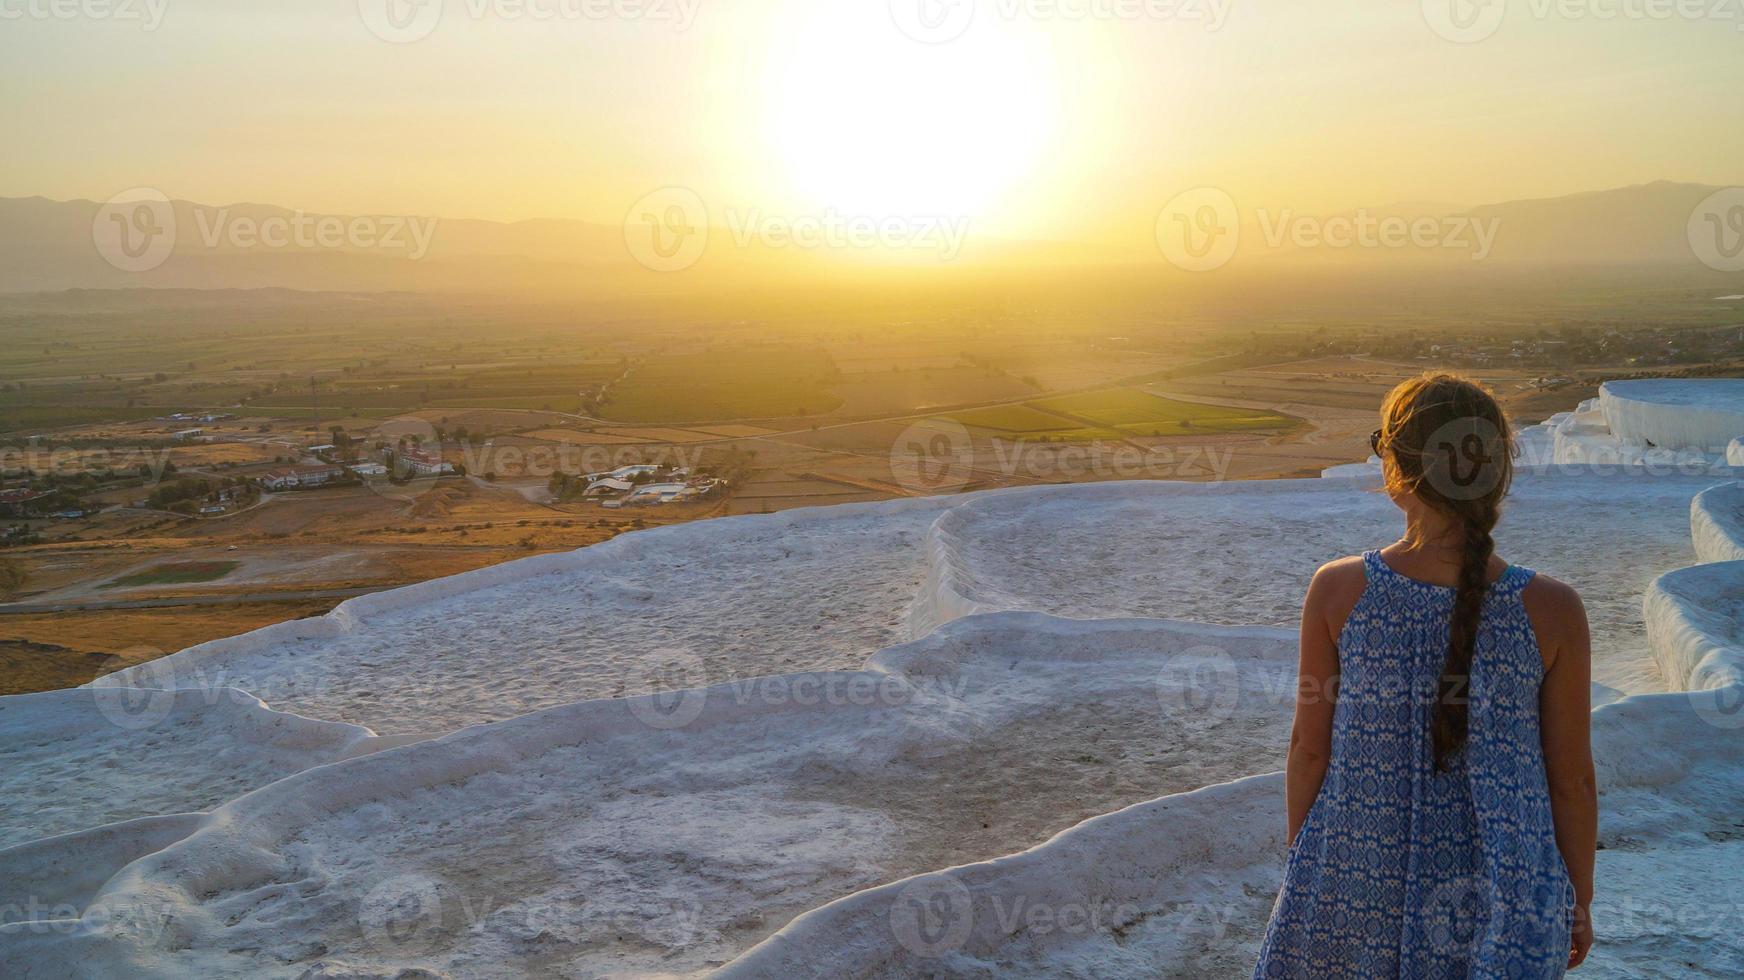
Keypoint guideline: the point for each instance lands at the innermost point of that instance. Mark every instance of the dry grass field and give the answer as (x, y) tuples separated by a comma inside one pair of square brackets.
[(798, 409)]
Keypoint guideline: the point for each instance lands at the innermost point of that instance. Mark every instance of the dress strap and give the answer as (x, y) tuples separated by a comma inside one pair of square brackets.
[(1514, 580)]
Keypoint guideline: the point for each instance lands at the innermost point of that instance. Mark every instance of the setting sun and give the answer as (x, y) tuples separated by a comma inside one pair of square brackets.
[(860, 118)]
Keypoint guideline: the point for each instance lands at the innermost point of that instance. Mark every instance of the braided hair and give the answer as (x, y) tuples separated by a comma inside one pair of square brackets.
[(1445, 439)]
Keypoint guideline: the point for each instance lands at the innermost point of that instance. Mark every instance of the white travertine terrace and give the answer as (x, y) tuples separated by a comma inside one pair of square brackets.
[(1703, 415), (1002, 685), (1717, 523)]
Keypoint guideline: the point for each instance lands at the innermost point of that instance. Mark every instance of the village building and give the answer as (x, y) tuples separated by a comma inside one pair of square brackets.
[(608, 486), (425, 462), (302, 477), (16, 503)]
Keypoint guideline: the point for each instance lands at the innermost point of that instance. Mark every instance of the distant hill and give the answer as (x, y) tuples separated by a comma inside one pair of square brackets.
[(1644, 225), (50, 246)]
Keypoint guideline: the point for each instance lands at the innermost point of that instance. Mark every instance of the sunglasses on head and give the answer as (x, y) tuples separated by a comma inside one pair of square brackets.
[(1375, 441)]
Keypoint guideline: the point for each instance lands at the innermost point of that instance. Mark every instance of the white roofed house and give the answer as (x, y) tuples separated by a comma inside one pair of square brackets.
[(607, 486), (626, 472), (425, 462), (299, 477), (658, 493)]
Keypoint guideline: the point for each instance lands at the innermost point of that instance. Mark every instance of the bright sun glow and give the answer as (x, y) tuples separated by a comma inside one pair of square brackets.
[(864, 120)]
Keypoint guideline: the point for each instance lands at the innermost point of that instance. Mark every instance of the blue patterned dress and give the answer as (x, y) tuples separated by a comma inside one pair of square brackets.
[(1400, 871)]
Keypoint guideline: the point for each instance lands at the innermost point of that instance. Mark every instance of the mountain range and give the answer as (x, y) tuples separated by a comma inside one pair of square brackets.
[(50, 245)]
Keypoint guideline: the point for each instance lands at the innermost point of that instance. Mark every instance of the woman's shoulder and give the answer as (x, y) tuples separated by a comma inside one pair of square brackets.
[(1342, 573), (1558, 617), (1335, 590), (1553, 603)]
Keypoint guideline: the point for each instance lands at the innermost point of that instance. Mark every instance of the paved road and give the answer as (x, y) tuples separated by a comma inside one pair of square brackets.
[(79, 605)]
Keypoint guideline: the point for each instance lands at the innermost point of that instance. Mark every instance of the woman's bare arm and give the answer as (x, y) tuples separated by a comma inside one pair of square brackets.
[(1565, 718), (1330, 598)]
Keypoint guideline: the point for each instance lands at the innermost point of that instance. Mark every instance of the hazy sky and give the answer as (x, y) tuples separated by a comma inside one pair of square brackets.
[(1036, 122)]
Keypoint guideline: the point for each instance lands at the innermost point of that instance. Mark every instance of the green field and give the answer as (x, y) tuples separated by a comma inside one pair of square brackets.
[(176, 573), (1014, 418), (1137, 413), (761, 382)]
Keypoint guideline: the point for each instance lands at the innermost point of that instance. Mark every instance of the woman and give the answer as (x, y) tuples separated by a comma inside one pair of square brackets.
[(1442, 811)]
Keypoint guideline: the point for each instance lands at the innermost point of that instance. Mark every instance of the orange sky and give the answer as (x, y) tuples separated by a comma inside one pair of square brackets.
[(1037, 124)]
